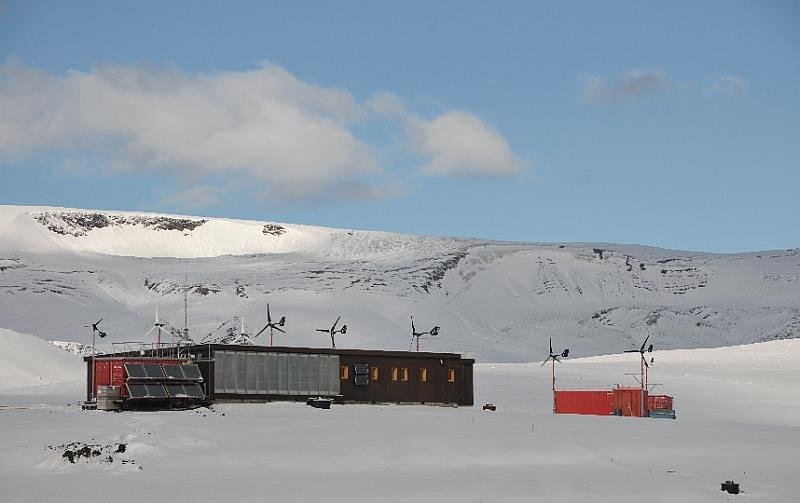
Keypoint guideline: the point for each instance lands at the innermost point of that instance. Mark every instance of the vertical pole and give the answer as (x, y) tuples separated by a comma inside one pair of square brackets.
[(642, 386), (646, 370), (94, 372), (185, 311), (554, 385)]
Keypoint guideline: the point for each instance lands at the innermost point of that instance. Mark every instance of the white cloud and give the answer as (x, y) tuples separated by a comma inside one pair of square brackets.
[(734, 86), (387, 103), (634, 85), (263, 129), (460, 144), (457, 143), (264, 124)]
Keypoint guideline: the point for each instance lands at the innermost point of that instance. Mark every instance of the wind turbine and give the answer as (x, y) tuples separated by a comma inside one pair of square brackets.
[(554, 358), (95, 331), (157, 325), (432, 332), (643, 367), (333, 331), (272, 326)]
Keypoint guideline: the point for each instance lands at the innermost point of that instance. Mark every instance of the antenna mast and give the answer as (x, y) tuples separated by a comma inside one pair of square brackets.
[(185, 311)]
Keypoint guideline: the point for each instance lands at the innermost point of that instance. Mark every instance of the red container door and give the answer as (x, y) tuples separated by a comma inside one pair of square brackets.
[(629, 401)]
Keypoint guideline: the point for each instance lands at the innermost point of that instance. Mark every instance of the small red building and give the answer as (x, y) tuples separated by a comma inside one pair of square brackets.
[(619, 401)]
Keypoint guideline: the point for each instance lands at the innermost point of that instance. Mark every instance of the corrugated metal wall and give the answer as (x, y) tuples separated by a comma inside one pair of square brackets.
[(260, 373), (598, 403)]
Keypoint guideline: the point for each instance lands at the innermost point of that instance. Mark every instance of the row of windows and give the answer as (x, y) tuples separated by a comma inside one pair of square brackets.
[(398, 374)]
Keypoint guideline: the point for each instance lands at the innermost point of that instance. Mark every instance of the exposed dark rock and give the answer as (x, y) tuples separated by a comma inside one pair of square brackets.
[(79, 223), (273, 229)]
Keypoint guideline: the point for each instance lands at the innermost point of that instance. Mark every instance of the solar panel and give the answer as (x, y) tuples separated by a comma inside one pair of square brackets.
[(153, 370), (156, 391), (362, 380), (192, 372), (135, 371), (361, 368), (136, 390), (194, 390), (184, 390), (146, 391), (173, 371)]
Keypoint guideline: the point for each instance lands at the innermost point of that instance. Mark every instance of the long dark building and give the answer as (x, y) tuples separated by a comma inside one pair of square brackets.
[(265, 373)]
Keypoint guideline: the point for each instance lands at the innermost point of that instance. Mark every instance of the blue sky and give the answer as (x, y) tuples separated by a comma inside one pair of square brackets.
[(674, 124)]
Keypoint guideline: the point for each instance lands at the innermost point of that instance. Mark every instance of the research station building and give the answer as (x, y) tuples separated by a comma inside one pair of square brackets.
[(271, 373)]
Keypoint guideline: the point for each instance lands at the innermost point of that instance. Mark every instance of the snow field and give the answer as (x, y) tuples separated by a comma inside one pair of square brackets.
[(521, 452)]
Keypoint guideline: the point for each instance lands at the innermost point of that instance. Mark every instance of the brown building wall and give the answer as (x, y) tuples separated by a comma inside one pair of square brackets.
[(410, 385)]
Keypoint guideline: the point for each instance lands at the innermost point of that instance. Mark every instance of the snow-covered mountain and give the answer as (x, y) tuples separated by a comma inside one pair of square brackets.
[(61, 269)]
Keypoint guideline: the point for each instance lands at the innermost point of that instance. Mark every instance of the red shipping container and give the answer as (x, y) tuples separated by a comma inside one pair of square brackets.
[(629, 401), (659, 402), (599, 403)]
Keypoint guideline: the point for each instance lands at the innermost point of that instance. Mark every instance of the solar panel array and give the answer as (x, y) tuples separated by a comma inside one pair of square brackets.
[(154, 380), (155, 371)]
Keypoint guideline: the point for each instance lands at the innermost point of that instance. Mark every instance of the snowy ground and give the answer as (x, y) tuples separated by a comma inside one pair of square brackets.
[(738, 418)]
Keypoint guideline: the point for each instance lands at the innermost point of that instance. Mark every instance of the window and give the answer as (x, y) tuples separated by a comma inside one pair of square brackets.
[(404, 374), (374, 373), (451, 375), (345, 372), (394, 373), (423, 375)]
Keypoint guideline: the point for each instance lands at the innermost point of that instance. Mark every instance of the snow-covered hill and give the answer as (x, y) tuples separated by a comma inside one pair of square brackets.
[(28, 362), (61, 269)]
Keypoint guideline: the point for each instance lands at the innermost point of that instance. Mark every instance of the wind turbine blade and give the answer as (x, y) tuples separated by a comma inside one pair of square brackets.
[(259, 332), (547, 360), (644, 343), (279, 329), (645, 362), (98, 321), (323, 330), (413, 329), (333, 328), (269, 318), (151, 329), (551, 345), (631, 351)]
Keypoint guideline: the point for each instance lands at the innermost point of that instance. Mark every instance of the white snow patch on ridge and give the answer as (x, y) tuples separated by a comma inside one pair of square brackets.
[(162, 235)]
